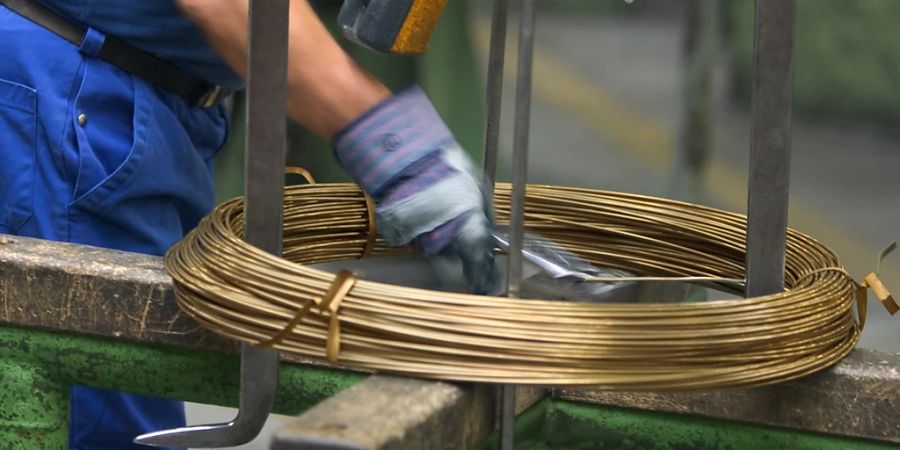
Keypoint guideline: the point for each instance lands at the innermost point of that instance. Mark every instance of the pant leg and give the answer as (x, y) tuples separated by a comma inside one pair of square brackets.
[(108, 420), (132, 173)]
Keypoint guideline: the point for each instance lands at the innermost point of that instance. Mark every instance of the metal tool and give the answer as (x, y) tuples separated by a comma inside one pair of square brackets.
[(391, 26), (265, 154), (548, 257), (564, 276)]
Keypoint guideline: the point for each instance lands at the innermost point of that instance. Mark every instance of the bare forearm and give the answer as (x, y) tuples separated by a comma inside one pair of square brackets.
[(326, 89)]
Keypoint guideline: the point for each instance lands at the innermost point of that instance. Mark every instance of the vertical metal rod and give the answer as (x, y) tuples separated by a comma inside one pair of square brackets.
[(692, 151), (520, 147), (265, 152), (519, 182), (505, 394), (494, 91), (265, 157), (507, 416), (265, 142), (770, 146)]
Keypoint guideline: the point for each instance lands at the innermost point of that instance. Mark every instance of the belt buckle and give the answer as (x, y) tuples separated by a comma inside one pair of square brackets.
[(211, 96)]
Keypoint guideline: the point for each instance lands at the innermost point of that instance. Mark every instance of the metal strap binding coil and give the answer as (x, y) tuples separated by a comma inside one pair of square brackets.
[(331, 302), (244, 293)]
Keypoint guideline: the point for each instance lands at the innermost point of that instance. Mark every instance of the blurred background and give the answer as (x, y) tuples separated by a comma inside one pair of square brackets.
[(653, 97)]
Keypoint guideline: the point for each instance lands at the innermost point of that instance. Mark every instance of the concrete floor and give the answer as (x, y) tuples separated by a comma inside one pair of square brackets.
[(604, 115)]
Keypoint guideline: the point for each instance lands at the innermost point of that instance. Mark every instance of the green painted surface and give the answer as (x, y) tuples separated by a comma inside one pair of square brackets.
[(34, 407), (561, 425), (530, 428), (38, 367)]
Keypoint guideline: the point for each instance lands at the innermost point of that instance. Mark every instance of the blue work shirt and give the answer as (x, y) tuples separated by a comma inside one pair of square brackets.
[(93, 155)]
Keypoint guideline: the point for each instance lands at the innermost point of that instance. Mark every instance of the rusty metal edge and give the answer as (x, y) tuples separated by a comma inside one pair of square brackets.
[(95, 291), (858, 397), (393, 413)]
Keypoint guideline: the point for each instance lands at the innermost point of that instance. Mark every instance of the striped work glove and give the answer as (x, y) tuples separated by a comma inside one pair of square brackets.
[(425, 188)]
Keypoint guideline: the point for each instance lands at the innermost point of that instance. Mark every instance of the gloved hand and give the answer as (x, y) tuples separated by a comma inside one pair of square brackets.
[(424, 186)]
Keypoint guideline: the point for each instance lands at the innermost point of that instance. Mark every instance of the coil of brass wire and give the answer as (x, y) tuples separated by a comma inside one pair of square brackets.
[(241, 292)]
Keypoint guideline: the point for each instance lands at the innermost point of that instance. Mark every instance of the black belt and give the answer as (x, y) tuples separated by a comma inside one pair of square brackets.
[(123, 55)]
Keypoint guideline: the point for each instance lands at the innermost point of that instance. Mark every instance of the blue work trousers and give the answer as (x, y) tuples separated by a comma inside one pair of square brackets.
[(93, 155)]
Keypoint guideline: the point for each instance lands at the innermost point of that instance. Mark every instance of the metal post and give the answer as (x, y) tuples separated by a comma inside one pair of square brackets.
[(770, 146), (520, 147), (494, 91), (695, 129), (519, 181), (494, 104), (265, 155)]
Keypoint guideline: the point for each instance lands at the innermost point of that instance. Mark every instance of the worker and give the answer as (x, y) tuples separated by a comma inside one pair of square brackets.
[(106, 141)]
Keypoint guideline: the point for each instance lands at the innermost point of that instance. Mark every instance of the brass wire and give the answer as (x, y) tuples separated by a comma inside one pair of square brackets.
[(246, 294)]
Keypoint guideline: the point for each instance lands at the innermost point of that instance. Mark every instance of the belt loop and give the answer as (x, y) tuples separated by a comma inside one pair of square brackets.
[(211, 97), (92, 42)]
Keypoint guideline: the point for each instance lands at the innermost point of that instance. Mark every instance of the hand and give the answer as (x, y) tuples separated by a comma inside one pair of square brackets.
[(424, 186)]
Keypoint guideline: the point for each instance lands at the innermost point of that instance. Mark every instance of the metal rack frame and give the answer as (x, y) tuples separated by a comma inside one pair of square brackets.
[(265, 156)]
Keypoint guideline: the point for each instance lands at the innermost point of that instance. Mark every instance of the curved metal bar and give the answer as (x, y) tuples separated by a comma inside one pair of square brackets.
[(265, 154)]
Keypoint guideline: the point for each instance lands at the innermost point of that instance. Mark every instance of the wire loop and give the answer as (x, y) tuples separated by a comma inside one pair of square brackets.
[(295, 170), (243, 293)]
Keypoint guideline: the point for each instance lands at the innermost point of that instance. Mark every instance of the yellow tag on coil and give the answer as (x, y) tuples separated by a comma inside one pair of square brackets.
[(872, 282)]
